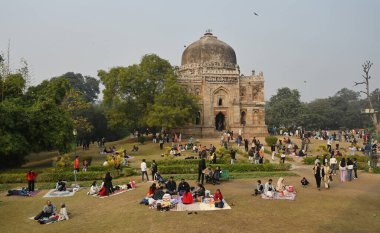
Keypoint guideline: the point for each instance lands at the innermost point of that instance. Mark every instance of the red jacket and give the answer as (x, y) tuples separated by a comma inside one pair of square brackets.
[(218, 197), (187, 198), (76, 163), (31, 176)]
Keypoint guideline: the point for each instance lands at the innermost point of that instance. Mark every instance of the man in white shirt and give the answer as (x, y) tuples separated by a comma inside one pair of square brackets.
[(144, 170), (333, 163)]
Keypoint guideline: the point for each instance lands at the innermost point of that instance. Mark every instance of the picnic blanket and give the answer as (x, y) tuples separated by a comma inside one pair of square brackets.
[(117, 192), (56, 193), (200, 206), (277, 196)]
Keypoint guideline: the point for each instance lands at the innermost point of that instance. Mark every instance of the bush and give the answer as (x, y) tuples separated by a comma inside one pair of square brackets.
[(64, 175), (270, 140), (141, 139), (244, 167)]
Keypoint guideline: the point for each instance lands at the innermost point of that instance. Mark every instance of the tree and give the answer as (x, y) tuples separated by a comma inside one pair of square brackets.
[(366, 68), (284, 108), (173, 107), (130, 92), (88, 86)]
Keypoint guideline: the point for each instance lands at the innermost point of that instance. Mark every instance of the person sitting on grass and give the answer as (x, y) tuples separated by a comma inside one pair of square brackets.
[(304, 182), (152, 190), (63, 215), (159, 193), (135, 148), (199, 192), (48, 210), (281, 187), (208, 174), (60, 185), (259, 188), (187, 197), (216, 175), (183, 186), (171, 186), (268, 188), (94, 189), (218, 199)]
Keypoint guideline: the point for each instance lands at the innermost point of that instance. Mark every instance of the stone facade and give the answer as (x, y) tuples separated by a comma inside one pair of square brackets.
[(227, 99)]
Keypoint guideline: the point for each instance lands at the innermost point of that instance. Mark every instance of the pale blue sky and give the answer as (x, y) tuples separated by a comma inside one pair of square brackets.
[(321, 42)]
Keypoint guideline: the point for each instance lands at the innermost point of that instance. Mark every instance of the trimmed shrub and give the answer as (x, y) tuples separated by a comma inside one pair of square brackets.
[(243, 167), (64, 175), (141, 139), (270, 140)]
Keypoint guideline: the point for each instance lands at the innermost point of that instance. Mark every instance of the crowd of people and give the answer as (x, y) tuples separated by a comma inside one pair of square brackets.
[(269, 190), (165, 195)]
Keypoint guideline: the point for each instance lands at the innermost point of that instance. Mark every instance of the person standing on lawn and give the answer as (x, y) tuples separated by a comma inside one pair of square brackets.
[(201, 167), (355, 168), (317, 175), (76, 164), (31, 177), (333, 163), (342, 168), (144, 170), (350, 167), (233, 156), (273, 149), (154, 170)]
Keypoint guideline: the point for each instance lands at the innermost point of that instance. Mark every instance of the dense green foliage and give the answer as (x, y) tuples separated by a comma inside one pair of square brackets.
[(243, 167), (271, 140), (343, 110), (146, 94), (67, 175)]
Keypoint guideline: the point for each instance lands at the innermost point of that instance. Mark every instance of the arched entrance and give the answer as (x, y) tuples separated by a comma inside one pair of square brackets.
[(220, 121)]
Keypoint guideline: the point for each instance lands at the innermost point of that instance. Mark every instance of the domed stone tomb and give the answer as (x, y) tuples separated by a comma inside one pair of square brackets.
[(227, 99)]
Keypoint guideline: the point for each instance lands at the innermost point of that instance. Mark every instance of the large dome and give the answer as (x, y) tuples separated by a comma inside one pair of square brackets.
[(208, 49)]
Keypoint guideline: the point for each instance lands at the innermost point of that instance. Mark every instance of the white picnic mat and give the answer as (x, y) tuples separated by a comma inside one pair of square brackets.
[(56, 193), (200, 206)]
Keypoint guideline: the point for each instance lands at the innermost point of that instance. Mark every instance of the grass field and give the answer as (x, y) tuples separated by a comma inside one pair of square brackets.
[(346, 207)]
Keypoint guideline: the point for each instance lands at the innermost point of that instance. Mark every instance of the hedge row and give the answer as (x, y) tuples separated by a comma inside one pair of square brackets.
[(309, 160), (64, 175), (235, 175), (54, 170), (181, 161), (231, 168)]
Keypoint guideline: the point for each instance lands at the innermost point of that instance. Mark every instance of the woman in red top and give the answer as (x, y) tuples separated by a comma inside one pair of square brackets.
[(31, 177), (218, 199), (76, 164), (187, 197)]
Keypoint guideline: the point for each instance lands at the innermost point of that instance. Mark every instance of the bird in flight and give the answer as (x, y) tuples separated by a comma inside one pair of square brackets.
[(255, 14)]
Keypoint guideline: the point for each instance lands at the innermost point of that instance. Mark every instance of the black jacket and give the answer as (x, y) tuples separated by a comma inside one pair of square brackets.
[(171, 186), (202, 165), (183, 186)]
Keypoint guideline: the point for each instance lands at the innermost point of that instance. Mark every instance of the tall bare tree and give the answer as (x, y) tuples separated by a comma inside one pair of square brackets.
[(366, 68)]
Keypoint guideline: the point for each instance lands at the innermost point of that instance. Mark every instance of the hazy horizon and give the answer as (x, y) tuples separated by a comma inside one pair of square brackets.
[(317, 47)]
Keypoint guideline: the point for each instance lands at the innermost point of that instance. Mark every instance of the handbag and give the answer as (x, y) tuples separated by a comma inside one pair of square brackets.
[(350, 167)]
